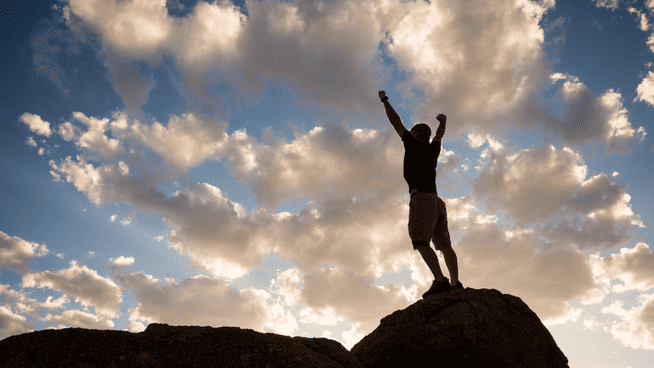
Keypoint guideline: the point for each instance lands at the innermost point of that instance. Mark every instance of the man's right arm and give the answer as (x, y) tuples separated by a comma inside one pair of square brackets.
[(393, 117)]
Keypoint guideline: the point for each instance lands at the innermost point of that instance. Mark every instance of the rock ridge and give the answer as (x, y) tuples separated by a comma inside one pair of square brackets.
[(462, 328)]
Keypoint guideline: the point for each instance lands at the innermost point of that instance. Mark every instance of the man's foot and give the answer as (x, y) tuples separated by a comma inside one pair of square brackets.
[(437, 287), (458, 285)]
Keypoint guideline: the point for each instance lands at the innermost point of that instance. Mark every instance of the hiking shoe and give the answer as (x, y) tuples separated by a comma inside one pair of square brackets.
[(437, 287), (458, 285)]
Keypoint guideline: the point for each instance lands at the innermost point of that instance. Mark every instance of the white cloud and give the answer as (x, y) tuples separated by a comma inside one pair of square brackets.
[(634, 266), (587, 118), (12, 323), (16, 253), (610, 4), (135, 29), (644, 24), (327, 163), (30, 142), (293, 45), (344, 292), (198, 300), (544, 274), (646, 89), (36, 124), (119, 263), (482, 68), (635, 330), (548, 187), (81, 283), (77, 318)]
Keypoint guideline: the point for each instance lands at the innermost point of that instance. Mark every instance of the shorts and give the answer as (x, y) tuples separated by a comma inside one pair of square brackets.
[(428, 221)]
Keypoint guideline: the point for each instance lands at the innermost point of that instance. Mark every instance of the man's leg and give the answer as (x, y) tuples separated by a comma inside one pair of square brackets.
[(429, 255), (452, 264)]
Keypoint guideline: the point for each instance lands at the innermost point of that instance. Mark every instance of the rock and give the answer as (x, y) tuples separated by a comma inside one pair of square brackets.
[(462, 328), (161, 345)]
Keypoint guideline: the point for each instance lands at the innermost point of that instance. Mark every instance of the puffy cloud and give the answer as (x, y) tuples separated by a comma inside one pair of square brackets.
[(16, 253), (132, 28), (220, 236), (77, 318), (119, 263), (586, 118), (549, 186), (198, 300), (306, 45), (610, 4), (521, 262), (12, 323), (30, 141), (343, 292), (184, 142), (36, 124), (635, 329), (329, 162), (646, 89), (83, 284), (480, 62), (634, 266)]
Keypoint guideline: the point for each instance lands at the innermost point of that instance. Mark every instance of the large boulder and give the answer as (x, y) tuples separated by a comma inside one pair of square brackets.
[(462, 328), (161, 345)]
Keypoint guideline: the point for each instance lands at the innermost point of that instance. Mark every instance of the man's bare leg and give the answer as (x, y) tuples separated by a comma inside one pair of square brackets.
[(429, 255), (452, 264)]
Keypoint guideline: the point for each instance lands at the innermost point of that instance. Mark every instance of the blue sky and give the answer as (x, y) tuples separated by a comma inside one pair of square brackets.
[(211, 163)]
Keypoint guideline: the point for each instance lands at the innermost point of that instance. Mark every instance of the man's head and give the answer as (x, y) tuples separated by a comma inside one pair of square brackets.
[(421, 132)]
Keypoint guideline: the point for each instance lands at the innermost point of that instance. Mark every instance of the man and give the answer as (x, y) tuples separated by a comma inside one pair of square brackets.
[(427, 213)]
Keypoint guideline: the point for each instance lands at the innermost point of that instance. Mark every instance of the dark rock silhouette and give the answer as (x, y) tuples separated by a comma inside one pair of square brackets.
[(161, 345), (461, 328)]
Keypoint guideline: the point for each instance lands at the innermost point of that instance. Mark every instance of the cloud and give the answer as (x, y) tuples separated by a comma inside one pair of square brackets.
[(77, 318), (328, 162), (521, 262), (343, 292), (307, 47), (198, 300), (83, 284), (549, 187), (36, 124), (480, 67), (635, 329), (646, 89), (12, 323), (16, 253), (118, 264), (93, 140), (610, 4), (632, 265), (184, 142), (587, 118)]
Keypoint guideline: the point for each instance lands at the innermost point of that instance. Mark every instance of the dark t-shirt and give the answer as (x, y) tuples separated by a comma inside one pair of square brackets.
[(420, 162)]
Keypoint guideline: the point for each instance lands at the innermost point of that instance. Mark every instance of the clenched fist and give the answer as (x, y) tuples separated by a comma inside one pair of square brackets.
[(441, 118), (382, 94)]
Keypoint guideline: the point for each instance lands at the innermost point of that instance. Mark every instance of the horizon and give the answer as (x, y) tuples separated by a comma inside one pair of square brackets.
[(229, 163)]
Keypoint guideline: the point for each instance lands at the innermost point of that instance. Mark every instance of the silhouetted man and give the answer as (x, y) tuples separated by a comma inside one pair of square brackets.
[(427, 213)]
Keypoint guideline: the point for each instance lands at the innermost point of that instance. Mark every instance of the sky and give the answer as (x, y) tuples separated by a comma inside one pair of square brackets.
[(230, 163)]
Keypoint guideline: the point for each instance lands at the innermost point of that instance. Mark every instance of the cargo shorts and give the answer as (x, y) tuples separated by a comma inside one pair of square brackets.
[(428, 221)]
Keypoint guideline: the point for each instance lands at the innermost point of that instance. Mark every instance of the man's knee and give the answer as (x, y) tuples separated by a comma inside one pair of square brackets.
[(418, 243), (444, 245)]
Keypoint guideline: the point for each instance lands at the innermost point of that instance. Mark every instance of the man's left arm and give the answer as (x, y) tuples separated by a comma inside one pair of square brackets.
[(440, 132)]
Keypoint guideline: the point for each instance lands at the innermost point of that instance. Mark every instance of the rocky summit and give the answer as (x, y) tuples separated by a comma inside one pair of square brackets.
[(462, 328)]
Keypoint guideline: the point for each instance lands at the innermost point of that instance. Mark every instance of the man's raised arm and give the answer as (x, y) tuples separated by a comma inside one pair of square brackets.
[(393, 117), (440, 132)]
